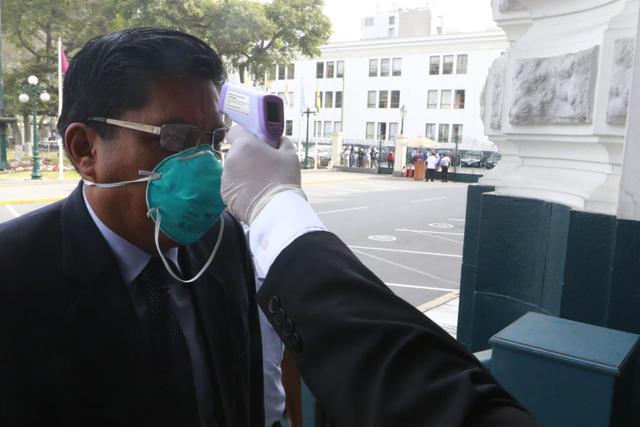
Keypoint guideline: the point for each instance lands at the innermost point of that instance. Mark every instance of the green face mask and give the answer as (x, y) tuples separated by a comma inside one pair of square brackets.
[(185, 201)]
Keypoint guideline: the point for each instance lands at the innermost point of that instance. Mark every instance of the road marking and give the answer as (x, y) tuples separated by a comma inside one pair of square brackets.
[(429, 232), (13, 211), (441, 300), (415, 270), (383, 238), (428, 200), (404, 251), (342, 210), (29, 201), (435, 235), (428, 288), (441, 225), (454, 219)]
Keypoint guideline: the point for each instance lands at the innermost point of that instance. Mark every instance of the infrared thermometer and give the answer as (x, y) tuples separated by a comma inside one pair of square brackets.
[(259, 112)]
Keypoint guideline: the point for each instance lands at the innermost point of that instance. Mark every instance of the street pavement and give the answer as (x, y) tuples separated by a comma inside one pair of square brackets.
[(409, 233)]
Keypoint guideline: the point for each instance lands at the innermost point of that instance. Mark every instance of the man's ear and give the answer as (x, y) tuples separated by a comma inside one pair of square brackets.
[(80, 141)]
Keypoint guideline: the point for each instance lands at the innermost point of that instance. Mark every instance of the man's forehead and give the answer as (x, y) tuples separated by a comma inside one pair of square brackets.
[(193, 101)]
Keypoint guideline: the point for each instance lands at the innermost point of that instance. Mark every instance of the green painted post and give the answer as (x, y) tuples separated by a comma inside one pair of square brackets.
[(35, 174)]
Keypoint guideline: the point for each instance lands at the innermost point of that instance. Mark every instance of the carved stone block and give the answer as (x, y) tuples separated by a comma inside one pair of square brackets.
[(620, 84), (492, 94), (555, 90), (505, 6)]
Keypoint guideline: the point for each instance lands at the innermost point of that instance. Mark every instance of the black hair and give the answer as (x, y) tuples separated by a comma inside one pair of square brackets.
[(112, 73)]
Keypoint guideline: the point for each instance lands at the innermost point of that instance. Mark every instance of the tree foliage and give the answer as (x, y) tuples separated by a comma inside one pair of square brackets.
[(248, 34)]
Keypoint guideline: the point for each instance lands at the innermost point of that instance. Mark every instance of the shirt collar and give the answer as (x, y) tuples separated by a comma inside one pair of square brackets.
[(130, 258)]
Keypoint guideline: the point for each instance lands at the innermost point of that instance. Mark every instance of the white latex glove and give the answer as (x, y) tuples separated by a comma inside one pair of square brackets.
[(254, 172)]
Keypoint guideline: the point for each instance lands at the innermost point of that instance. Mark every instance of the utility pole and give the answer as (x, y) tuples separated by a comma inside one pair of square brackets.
[(308, 112)]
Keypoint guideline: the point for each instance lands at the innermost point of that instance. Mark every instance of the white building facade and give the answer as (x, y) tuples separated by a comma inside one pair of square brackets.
[(359, 88)]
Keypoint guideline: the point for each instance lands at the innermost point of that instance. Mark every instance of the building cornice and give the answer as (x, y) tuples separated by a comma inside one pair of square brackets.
[(495, 39)]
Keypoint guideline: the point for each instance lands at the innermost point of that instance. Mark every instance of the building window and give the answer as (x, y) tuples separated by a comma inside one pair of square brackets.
[(340, 69), (291, 71), (290, 99), (338, 100), (371, 99), (283, 96), (392, 32), (393, 130), (456, 134), (445, 99), (368, 21), (383, 99), (395, 99), (432, 99), (318, 99), (328, 100), (443, 133), (434, 65), (373, 68), (430, 131), (337, 127), (392, 20), (447, 64), (458, 101), (330, 69), (281, 72), (319, 70), (397, 66), (369, 131), (288, 127), (328, 129), (384, 67), (461, 67), (382, 130)]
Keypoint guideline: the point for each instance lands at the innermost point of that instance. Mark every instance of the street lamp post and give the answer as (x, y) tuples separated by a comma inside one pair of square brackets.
[(403, 114), (4, 121), (308, 113), (33, 90)]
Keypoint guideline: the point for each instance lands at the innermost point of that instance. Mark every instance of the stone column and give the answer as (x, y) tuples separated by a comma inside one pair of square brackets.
[(400, 155), (542, 232), (336, 149)]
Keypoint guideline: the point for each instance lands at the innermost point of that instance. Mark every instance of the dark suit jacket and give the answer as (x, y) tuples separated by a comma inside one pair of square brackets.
[(72, 351), (370, 358)]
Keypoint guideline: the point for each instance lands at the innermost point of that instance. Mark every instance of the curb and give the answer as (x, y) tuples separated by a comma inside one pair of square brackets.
[(434, 303)]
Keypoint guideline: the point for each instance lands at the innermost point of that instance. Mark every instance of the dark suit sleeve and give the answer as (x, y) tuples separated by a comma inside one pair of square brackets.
[(369, 357)]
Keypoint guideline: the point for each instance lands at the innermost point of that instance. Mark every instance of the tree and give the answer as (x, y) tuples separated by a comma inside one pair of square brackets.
[(253, 36)]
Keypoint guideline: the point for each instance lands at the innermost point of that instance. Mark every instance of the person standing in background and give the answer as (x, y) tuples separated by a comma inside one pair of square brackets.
[(445, 162), (432, 163)]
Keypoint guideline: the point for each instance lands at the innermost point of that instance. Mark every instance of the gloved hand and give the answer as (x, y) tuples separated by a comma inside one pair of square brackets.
[(254, 172)]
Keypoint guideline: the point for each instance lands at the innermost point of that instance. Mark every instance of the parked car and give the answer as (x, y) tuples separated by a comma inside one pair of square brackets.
[(472, 162)]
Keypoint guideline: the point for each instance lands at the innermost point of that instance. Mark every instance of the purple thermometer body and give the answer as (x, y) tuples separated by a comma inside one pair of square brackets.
[(260, 112)]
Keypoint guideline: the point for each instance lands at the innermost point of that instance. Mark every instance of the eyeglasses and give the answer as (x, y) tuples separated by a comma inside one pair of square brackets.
[(173, 136)]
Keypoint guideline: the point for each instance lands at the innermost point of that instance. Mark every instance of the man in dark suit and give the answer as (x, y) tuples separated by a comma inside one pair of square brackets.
[(94, 330), (369, 358)]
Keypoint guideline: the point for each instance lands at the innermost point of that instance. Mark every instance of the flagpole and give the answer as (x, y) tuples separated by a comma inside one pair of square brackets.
[(60, 149)]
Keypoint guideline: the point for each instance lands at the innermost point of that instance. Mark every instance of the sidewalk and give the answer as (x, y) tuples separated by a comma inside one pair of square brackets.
[(444, 311)]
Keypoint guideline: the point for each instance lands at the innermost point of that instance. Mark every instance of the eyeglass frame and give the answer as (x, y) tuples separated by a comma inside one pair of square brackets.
[(157, 130)]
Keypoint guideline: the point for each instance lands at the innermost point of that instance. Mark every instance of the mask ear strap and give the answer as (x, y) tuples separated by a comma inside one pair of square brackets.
[(164, 260), (147, 176)]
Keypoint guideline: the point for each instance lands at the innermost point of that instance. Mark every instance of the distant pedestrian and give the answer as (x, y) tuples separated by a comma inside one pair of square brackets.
[(390, 159), (445, 162), (360, 157), (432, 163), (373, 154)]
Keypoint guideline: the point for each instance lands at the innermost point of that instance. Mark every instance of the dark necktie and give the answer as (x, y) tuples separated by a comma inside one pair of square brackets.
[(169, 348)]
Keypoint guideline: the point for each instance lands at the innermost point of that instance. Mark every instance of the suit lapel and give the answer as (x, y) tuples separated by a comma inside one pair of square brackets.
[(103, 316), (212, 310)]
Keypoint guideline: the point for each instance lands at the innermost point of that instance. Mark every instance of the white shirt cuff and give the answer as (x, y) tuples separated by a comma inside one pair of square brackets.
[(285, 218)]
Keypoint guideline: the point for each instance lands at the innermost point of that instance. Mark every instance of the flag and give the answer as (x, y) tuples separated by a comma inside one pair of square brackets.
[(64, 62), (318, 97)]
